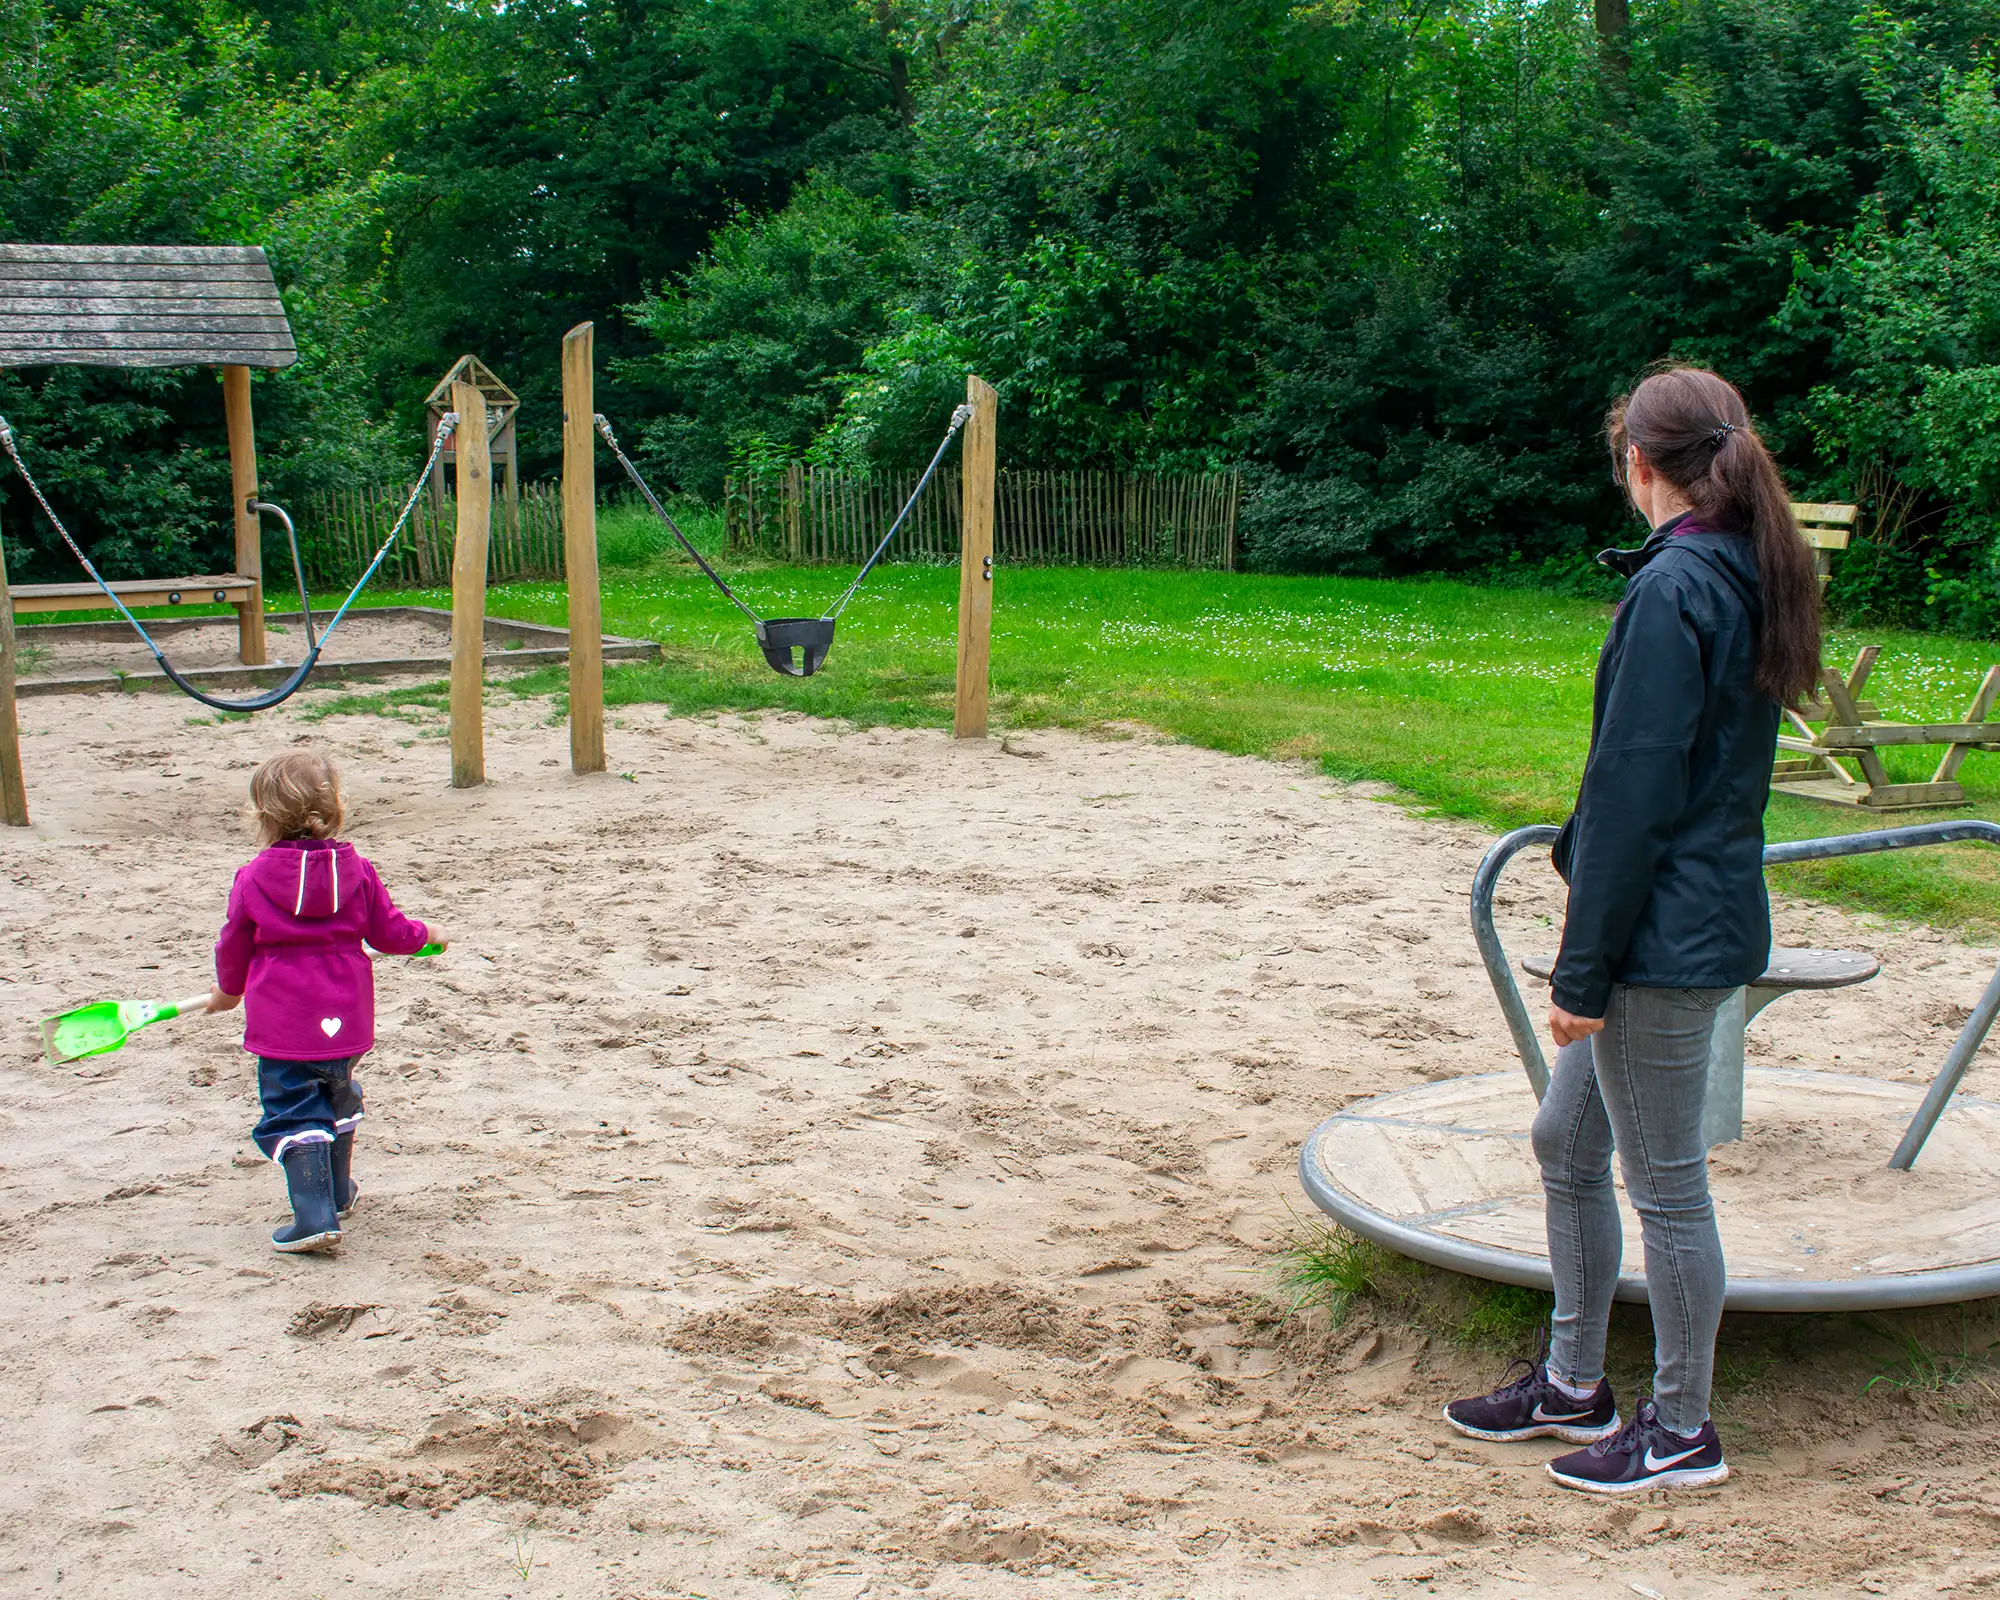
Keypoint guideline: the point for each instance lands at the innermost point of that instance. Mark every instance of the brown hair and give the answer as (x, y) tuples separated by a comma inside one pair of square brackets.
[(1694, 430), (296, 796)]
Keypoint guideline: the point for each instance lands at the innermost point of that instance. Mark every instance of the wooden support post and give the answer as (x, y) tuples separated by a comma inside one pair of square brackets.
[(468, 589), (13, 782), (249, 533), (975, 559), (586, 603), (512, 483)]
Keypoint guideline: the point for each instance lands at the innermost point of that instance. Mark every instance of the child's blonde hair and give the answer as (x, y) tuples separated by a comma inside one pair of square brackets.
[(296, 796)]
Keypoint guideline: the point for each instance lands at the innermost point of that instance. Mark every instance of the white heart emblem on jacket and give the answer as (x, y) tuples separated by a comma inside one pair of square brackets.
[(329, 1026)]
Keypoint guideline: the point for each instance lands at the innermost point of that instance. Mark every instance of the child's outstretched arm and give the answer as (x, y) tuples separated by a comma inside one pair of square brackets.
[(388, 929), (232, 952)]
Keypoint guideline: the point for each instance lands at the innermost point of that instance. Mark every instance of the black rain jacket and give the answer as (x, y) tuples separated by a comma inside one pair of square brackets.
[(1664, 855)]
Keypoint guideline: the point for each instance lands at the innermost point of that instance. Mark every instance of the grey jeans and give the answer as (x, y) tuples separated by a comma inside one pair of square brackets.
[(1639, 1085)]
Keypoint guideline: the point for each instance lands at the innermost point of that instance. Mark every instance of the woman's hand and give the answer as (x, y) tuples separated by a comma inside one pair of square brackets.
[(1566, 1028), (218, 1001)]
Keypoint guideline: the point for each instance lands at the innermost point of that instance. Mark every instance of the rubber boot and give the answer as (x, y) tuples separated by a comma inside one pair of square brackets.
[(345, 1190), (315, 1223)]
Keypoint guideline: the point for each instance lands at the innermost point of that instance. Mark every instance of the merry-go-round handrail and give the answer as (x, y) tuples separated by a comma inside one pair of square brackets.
[(1957, 1059)]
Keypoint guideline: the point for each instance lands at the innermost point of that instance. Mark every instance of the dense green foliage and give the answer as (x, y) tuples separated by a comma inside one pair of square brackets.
[(1393, 257)]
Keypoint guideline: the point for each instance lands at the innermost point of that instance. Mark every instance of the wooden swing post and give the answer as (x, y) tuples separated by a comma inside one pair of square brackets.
[(242, 499), (975, 560), (13, 782), (586, 602), (468, 589)]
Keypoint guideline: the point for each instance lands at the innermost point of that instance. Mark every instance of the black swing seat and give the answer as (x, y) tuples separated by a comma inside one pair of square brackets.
[(811, 637)]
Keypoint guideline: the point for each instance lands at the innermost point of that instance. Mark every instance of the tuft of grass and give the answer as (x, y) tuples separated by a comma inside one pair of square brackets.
[(1503, 1315), (1325, 1265), (29, 659), (630, 536), (1919, 1366)]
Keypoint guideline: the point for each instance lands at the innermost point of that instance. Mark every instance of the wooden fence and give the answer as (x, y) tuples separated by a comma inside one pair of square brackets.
[(340, 531), (807, 514), (1062, 518)]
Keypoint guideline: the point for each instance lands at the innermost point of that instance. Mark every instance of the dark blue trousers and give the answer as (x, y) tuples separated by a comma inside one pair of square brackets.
[(304, 1102)]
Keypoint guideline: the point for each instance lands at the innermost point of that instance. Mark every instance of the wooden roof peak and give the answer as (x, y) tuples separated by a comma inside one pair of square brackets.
[(140, 305), (470, 369)]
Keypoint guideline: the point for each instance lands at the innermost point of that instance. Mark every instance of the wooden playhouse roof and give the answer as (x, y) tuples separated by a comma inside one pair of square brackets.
[(98, 305)]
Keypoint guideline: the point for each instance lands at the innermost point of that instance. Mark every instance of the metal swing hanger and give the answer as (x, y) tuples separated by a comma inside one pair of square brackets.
[(314, 644), (779, 637)]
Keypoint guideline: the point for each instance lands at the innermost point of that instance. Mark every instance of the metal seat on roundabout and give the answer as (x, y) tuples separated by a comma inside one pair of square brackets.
[(1822, 1207)]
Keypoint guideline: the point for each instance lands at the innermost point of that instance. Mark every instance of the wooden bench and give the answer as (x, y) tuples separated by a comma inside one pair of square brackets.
[(224, 589), (1787, 970), (1827, 528), (1815, 765), (221, 589)]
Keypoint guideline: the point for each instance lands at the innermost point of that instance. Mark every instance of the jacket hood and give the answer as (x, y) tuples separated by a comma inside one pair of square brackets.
[(309, 878), (1729, 551)]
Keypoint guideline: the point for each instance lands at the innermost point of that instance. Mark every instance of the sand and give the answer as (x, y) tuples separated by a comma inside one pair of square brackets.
[(831, 1163)]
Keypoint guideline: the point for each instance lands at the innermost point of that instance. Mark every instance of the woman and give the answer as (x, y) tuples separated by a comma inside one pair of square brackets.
[(1667, 917)]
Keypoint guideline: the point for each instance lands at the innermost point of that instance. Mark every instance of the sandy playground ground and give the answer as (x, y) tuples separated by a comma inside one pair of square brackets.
[(830, 1163)]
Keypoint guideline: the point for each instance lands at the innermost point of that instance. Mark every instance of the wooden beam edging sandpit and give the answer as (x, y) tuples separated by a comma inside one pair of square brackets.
[(541, 646)]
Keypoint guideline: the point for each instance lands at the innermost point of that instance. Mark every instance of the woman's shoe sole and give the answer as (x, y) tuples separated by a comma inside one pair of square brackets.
[(311, 1242), (1690, 1478), (1541, 1430)]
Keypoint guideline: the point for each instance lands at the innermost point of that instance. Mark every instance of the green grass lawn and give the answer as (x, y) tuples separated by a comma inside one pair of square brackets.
[(1473, 702)]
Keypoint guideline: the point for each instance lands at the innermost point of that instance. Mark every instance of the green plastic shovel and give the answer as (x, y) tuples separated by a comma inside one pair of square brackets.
[(98, 1029)]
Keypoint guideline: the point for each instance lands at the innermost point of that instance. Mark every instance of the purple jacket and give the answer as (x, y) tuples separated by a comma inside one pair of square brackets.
[(291, 946)]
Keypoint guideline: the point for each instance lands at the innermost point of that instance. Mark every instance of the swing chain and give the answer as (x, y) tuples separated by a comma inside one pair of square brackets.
[(447, 425), (604, 429), (14, 454), (959, 419)]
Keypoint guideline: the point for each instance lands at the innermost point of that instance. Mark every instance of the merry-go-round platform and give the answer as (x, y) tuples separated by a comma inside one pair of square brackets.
[(1833, 1192)]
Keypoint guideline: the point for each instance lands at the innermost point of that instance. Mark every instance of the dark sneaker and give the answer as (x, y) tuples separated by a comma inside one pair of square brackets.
[(1530, 1407), (1644, 1454)]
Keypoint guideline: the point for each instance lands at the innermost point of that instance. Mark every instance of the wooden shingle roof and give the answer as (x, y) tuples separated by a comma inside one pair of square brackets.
[(95, 305)]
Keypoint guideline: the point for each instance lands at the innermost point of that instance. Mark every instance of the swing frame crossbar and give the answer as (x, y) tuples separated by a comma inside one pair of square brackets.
[(779, 637)]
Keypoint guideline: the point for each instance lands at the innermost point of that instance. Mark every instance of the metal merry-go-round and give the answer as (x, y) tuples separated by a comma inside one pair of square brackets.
[(1822, 1201)]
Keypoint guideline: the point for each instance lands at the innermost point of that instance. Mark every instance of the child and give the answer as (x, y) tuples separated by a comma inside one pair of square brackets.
[(291, 946)]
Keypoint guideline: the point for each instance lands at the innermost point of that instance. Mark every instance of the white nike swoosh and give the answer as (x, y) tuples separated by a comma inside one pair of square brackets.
[(1656, 1464), (1539, 1415)]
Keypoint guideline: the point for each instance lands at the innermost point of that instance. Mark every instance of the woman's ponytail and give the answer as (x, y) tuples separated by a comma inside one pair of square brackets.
[(1694, 430)]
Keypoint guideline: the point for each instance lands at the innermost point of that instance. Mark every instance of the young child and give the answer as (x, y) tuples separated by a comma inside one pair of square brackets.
[(291, 948)]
